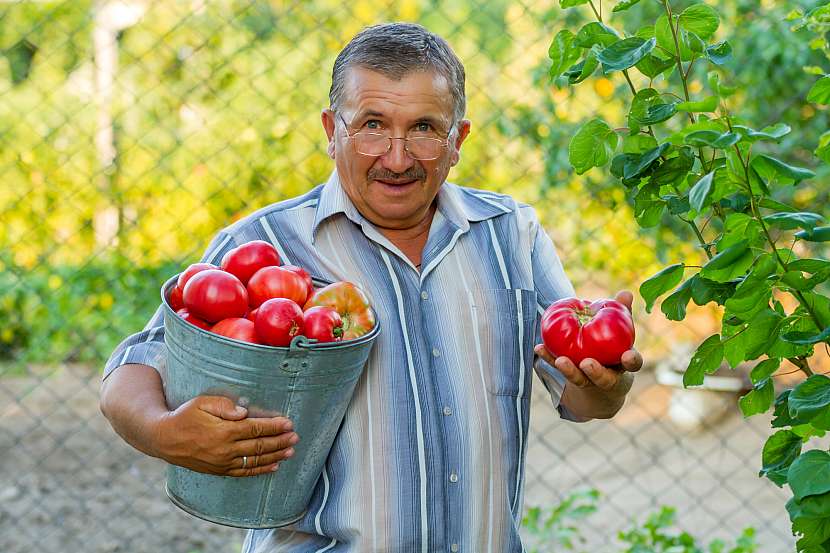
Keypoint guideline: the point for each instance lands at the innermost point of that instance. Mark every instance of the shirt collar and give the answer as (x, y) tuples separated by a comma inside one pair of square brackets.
[(459, 206)]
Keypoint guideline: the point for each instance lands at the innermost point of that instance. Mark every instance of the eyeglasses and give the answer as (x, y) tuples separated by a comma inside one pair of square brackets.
[(374, 144)]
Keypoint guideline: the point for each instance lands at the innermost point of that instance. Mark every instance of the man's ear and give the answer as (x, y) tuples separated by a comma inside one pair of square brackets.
[(462, 131), (327, 117)]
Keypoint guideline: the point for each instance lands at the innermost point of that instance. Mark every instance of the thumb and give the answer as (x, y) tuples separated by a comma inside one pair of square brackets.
[(222, 407), (625, 297)]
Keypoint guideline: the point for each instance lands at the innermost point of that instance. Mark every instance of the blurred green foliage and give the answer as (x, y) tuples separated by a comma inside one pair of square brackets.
[(215, 111)]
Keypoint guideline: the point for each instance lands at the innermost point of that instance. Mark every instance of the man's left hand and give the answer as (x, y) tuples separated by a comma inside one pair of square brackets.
[(593, 378)]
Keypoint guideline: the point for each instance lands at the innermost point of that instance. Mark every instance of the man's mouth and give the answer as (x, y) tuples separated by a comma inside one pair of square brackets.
[(396, 182)]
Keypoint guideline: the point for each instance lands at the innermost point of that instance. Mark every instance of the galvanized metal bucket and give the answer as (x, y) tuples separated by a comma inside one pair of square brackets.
[(310, 383)]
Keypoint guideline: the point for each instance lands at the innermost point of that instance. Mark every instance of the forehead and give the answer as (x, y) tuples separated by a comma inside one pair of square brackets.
[(416, 94)]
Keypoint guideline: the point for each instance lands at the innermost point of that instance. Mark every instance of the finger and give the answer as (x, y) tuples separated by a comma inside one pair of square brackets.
[(262, 469), (265, 446), (625, 297), (631, 360), (543, 352), (602, 377), (571, 372), (257, 461), (221, 407), (261, 427)]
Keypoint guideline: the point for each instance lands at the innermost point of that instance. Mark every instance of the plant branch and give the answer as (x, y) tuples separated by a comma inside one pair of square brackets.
[(596, 13), (677, 51)]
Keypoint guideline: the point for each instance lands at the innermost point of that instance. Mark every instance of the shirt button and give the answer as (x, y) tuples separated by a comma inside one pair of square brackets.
[(447, 411), (436, 352), (424, 295), (454, 547), (453, 478)]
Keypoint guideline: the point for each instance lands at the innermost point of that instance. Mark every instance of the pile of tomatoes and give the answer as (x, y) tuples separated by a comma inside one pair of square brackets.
[(252, 298)]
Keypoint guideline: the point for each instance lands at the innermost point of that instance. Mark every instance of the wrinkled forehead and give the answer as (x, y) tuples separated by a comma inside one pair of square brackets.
[(415, 94)]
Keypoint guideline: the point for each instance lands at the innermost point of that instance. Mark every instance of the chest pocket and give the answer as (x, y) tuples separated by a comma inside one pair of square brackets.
[(506, 324)]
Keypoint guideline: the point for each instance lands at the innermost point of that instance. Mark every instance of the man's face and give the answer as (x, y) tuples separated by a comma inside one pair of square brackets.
[(393, 190)]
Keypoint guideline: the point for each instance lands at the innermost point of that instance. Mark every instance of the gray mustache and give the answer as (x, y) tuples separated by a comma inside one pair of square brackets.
[(411, 174)]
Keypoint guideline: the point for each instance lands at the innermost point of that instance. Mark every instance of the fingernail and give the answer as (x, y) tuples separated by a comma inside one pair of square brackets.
[(275, 467), (289, 452), (294, 439), (288, 426)]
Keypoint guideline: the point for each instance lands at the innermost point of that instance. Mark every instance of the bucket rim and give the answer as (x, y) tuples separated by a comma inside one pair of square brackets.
[(295, 343)]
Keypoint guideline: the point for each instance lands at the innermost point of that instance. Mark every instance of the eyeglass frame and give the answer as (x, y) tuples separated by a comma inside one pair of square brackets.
[(444, 143)]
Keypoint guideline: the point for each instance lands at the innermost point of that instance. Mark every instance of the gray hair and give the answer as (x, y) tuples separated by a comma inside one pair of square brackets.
[(395, 50)]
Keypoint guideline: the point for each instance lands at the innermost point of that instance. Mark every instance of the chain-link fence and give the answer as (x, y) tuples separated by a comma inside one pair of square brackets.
[(130, 131)]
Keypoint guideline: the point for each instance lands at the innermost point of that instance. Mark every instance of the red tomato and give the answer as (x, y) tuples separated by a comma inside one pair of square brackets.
[(236, 328), (278, 320), (350, 302), (323, 323), (192, 319), (243, 261), (303, 273), (214, 295), (175, 298), (276, 282), (577, 329), (192, 270), (251, 316)]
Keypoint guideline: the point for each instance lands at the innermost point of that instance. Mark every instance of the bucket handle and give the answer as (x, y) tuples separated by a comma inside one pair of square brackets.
[(297, 351)]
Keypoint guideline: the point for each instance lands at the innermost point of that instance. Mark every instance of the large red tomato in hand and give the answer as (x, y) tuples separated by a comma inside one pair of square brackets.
[(278, 320), (276, 282), (350, 302), (214, 295), (236, 328), (577, 329), (323, 324), (245, 260)]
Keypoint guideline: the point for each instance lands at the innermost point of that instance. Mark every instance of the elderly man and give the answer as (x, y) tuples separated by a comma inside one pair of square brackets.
[(431, 453)]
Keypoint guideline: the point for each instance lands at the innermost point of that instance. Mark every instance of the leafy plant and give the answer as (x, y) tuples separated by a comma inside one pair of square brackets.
[(691, 158), (558, 529)]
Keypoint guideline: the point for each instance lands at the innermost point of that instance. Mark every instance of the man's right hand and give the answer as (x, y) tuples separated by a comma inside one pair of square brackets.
[(211, 434)]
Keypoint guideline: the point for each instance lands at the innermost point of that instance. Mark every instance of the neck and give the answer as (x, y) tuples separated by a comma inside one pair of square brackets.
[(417, 232)]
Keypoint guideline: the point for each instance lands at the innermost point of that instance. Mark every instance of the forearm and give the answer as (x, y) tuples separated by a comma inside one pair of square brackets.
[(591, 402), (132, 399)]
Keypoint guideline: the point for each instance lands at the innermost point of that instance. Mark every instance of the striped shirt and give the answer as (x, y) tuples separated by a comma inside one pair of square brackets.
[(430, 455)]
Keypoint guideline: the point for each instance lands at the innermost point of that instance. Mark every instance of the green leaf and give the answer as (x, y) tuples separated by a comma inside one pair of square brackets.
[(809, 474), (705, 290), (564, 4), (638, 164), (806, 337), (584, 69), (707, 105), (775, 132), (768, 167), (562, 52), (665, 38), (759, 399), (20, 56), (701, 191), (823, 149), (625, 53), (663, 281), (761, 332), (788, 221), (651, 66), (592, 146), (719, 53), (648, 209), (648, 108), (638, 143), (674, 306), (818, 234), (596, 33), (739, 227), (780, 450), (769, 203), (675, 169), (713, 139), (750, 297), (706, 360), (730, 263), (624, 5), (809, 265), (793, 323), (810, 397), (763, 370), (701, 19), (820, 92)]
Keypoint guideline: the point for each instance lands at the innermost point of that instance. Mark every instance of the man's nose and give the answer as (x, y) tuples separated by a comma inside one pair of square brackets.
[(397, 159)]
